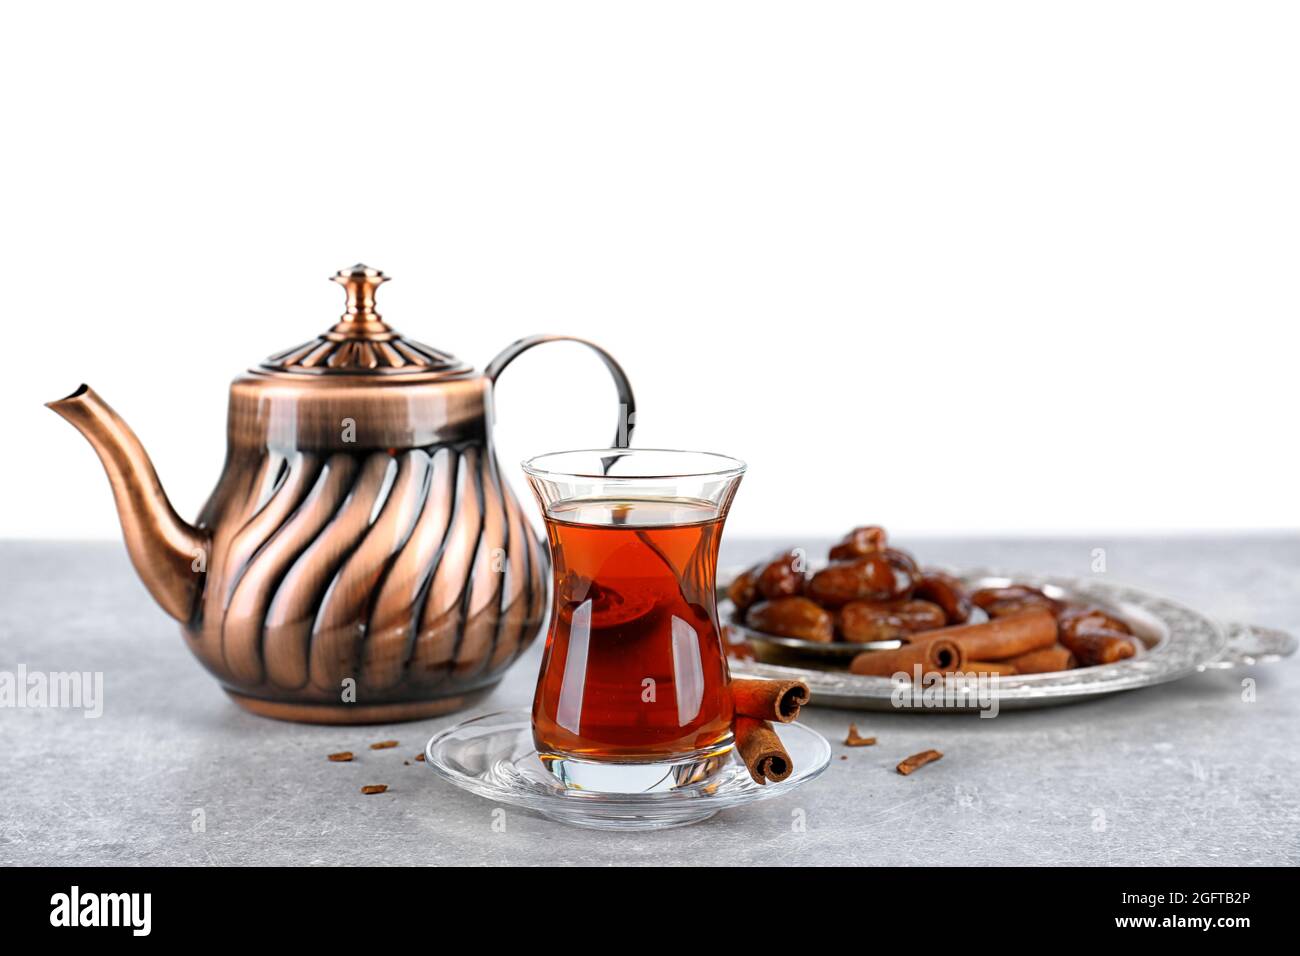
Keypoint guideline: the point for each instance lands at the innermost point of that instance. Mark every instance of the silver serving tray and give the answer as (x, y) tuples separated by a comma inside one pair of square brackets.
[(1174, 641)]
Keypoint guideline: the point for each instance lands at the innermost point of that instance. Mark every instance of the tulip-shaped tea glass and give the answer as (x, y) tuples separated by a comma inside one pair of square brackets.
[(632, 695)]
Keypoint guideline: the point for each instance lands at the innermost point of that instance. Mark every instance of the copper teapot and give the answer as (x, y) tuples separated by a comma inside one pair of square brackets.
[(361, 559)]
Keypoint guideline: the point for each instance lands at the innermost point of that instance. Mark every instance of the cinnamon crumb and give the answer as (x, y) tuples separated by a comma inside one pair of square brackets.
[(918, 760), (343, 756), (383, 745), (854, 739), (374, 788), (419, 758)]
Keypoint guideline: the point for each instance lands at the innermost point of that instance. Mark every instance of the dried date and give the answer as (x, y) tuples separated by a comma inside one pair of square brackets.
[(885, 575), (858, 543), (885, 621), (947, 592), (792, 617)]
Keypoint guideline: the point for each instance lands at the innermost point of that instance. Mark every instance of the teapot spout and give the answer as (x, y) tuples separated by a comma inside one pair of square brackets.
[(169, 555)]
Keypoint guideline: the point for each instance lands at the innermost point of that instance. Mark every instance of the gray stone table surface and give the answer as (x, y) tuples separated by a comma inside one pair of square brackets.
[(1185, 773)]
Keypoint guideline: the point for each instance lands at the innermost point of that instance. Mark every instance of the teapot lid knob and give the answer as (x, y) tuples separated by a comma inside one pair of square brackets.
[(360, 282), (362, 343)]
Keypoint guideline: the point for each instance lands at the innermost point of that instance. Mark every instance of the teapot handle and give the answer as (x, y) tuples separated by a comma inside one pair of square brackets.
[(626, 402)]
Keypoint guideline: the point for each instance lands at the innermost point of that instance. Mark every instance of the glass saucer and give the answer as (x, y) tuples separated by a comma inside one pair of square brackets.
[(494, 757)]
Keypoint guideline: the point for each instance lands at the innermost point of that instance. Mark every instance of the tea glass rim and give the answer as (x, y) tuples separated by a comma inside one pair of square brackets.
[(729, 467)]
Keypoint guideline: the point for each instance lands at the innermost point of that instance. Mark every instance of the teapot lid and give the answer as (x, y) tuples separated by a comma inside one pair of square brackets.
[(361, 343)]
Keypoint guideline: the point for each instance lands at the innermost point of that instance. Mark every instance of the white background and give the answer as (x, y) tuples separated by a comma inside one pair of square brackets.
[(952, 267)]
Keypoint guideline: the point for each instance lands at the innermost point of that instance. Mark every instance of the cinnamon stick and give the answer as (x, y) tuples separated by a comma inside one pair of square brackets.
[(1054, 658), (986, 667), (936, 656), (999, 638), (761, 749), (777, 700), (916, 761)]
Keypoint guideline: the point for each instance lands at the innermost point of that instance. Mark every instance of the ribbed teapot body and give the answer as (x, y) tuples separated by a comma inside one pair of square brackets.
[(368, 560)]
